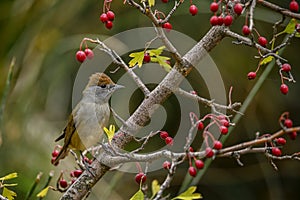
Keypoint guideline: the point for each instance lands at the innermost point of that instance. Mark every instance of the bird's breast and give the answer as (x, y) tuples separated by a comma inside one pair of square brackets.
[(90, 119)]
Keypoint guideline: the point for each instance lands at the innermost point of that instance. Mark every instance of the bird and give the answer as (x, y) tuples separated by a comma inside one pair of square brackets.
[(87, 120)]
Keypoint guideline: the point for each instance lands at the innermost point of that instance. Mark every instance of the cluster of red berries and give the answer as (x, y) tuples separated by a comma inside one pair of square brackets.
[(226, 20), (63, 183), (288, 123), (285, 68), (107, 18), (82, 55), (279, 142), (165, 136), (199, 164), (223, 123)]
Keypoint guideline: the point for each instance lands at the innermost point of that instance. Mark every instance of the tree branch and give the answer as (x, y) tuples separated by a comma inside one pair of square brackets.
[(143, 113), (279, 9)]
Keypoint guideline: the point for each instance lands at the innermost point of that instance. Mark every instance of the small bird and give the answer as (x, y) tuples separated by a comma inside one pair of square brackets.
[(86, 122)]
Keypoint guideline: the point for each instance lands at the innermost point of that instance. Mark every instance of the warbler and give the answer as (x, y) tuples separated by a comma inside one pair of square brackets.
[(86, 122)]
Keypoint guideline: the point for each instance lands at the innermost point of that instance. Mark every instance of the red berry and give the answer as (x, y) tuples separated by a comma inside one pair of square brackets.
[(228, 20), (292, 135), (192, 171), (251, 75), (214, 7), (147, 58), (164, 135), (225, 122), (193, 10), (218, 145), (164, 1), (166, 165), (103, 17), (89, 53), (220, 20), (284, 88), (110, 15), (109, 24), (77, 172), (52, 161), (169, 141), (280, 141), (262, 41), (294, 7), (286, 67), (246, 30), (276, 151), (238, 8), (200, 126), (288, 123), (63, 183), (214, 20), (223, 130), (80, 56), (167, 26), (55, 153), (191, 149), (209, 152), (199, 164), (140, 177)]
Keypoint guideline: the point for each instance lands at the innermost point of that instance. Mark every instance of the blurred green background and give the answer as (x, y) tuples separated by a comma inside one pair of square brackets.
[(43, 36)]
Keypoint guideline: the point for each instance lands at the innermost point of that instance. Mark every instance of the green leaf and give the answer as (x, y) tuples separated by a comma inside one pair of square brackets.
[(137, 58), (266, 60), (290, 28), (155, 188), (189, 194), (110, 132), (156, 52), (297, 34), (9, 194), (151, 3), (43, 193), (162, 61), (9, 176), (139, 195)]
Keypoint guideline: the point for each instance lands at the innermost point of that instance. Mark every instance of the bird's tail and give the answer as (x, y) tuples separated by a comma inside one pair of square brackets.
[(61, 155)]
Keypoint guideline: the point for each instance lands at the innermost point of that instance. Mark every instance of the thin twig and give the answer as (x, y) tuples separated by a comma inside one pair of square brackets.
[(251, 14), (279, 9), (119, 61), (210, 103)]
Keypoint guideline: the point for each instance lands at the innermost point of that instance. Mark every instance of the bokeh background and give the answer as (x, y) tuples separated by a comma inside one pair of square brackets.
[(44, 35)]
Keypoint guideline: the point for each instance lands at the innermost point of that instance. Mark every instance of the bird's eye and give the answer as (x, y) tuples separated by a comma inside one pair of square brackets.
[(103, 86)]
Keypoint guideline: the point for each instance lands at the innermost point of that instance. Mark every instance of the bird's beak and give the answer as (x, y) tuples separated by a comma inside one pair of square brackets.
[(116, 86)]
